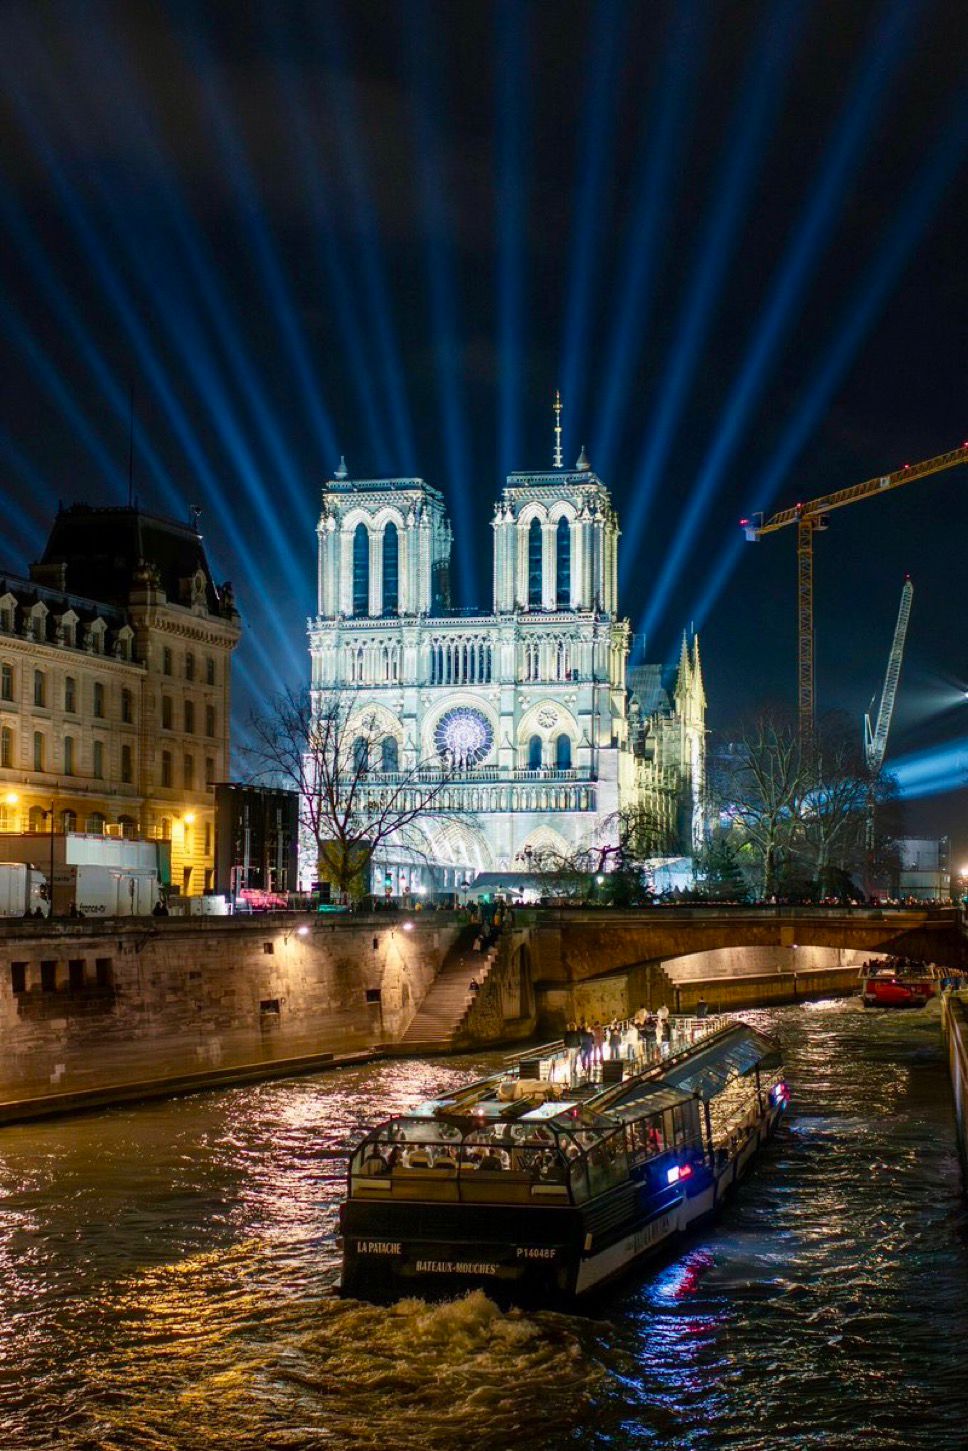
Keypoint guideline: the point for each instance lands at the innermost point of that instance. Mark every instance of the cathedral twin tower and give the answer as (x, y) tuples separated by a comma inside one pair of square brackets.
[(530, 700)]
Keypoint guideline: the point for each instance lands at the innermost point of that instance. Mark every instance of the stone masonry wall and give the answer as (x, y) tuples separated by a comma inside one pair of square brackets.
[(87, 1006)]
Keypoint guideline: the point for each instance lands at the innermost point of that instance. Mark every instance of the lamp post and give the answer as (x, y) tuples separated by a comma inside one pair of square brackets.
[(50, 886)]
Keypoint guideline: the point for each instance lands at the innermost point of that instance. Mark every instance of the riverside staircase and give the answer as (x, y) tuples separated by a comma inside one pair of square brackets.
[(442, 1012)]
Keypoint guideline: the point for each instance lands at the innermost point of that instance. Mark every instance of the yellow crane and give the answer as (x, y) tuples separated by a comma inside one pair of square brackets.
[(809, 519)]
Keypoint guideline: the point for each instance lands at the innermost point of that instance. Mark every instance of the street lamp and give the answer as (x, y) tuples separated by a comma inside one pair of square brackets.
[(294, 932)]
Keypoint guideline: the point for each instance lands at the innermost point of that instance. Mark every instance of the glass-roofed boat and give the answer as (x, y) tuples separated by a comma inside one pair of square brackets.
[(546, 1181)]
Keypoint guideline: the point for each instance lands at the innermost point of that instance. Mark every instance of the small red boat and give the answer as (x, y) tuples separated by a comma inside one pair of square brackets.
[(898, 982)]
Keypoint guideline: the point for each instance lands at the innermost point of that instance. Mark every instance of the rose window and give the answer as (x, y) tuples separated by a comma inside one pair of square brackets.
[(464, 736)]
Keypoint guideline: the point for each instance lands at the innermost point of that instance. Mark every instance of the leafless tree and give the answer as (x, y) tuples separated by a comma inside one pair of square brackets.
[(357, 792), (768, 785)]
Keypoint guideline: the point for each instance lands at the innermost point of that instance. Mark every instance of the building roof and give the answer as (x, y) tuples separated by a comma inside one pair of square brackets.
[(100, 550), (646, 688)]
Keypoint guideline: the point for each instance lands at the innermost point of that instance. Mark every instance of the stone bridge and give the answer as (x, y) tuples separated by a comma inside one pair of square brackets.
[(600, 962)]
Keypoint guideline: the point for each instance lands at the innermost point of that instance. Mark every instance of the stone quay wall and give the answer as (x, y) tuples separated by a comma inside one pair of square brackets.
[(87, 1007), (956, 1040)]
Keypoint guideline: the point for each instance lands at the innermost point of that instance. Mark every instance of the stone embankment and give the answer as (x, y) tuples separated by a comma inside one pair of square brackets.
[(91, 1012), (956, 1039), (97, 1012)]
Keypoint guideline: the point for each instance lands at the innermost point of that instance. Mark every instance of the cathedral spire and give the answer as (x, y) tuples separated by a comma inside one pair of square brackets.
[(559, 460)]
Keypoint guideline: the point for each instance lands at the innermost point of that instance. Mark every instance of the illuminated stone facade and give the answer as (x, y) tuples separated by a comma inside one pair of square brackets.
[(528, 702), (115, 686)]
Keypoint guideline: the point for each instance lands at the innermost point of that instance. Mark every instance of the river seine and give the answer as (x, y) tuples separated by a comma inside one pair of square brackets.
[(167, 1278)]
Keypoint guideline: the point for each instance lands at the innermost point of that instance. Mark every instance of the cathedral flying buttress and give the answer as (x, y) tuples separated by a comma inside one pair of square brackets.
[(527, 708)]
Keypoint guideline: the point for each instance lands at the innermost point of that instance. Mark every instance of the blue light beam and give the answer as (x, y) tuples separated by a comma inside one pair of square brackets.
[(600, 98), (932, 771), (661, 147), (810, 234), (512, 48), (439, 222), (913, 215), (760, 93)]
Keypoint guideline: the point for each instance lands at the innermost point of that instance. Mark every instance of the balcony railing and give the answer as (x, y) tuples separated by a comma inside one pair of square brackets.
[(477, 774)]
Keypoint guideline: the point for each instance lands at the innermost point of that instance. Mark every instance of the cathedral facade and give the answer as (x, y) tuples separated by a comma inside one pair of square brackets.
[(528, 709)]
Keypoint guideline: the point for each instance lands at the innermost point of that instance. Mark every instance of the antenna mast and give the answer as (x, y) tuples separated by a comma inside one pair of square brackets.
[(559, 461)]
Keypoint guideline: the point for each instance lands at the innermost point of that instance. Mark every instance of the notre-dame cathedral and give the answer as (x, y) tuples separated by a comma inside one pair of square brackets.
[(544, 732)]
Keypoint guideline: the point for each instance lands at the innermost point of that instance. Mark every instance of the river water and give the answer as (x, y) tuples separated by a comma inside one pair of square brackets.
[(167, 1279)]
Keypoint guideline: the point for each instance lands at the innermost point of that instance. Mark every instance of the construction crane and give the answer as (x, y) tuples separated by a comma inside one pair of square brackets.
[(809, 519), (875, 740)]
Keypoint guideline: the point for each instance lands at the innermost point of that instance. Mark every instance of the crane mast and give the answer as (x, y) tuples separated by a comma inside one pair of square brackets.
[(875, 740), (809, 519)]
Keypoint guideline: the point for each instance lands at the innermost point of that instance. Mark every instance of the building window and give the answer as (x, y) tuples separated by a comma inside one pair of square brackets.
[(68, 755), (189, 717), (534, 753), (209, 772), (210, 720), (127, 707), (75, 974), (563, 560), (127, 772), (40, 688), (95, 823), (563, 753), (390, 754), (6, 618), (360, 755), (6, 682), (391, 570), (96, 637), (40, 627), (166, 768), (208, 838), (6, 746), (166, 712), (189, 665), (188, 773), (104, 973), (38, 751), (98, 700), (186, 881), (18, 977), (209, 671), (534, 565), (166, 661), (68, 821), (70, 695), (99, 760), (48, 976), (164, 827), (129, 827), (35, 818), (361, 570)]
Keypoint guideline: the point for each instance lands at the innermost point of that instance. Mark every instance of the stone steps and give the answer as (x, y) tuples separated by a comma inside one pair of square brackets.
[(449, 1000)]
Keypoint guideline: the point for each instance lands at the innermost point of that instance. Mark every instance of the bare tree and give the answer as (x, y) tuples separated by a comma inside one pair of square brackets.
[(357, 790), (768, 785), (834, 808)]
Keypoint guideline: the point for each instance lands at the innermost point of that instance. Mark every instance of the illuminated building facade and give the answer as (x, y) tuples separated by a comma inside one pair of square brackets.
[(115, 686), (527, 706)]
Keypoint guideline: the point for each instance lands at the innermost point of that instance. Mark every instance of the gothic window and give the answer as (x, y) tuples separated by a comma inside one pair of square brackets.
[(563, 753), (463, 736), (360, 755), (391, 570), (390, 754), (563, 573), (534, 753), (534, 565), (361, 571)]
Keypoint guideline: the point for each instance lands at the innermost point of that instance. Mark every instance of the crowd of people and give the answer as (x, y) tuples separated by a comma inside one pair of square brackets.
[(637, 1041)]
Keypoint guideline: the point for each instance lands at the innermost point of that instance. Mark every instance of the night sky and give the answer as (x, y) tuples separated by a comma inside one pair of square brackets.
[(733, 235)]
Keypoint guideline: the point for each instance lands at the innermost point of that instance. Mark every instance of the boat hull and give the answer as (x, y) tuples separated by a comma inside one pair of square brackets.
[(547, 1255)]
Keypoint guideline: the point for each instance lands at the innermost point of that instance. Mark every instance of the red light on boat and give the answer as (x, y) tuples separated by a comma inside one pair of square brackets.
[(685, 1171)]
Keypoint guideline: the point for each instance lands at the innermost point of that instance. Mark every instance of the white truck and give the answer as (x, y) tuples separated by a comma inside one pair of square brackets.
[(96, 891), (22, 890)]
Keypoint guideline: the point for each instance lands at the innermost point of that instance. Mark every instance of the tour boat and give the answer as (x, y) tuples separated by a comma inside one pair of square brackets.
[(540, 1184), (897, 983)]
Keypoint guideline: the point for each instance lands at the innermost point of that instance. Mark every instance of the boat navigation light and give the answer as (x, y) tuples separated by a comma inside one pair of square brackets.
[(674, 1174)]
